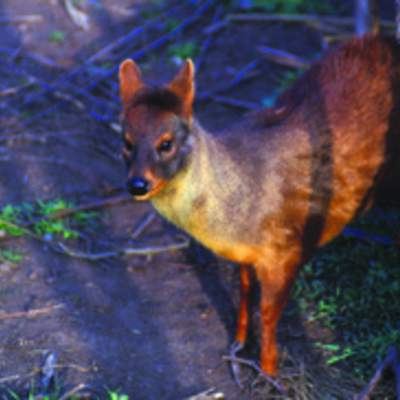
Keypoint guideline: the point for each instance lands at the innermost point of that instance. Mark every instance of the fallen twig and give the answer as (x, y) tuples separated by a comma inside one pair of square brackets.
[(253, 365), (94, 205), (78, 17), (143, 224), (243, 74), (30, 313), (24, 19), (70, 99), (15, 89), (210, 394), (314, 20), (74, 391), (18, 377), (208, 40), (128, 251), (229, 101), (391, 360), (283, 57)]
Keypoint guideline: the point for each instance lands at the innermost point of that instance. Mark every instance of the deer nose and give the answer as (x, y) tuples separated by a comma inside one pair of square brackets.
[(137, 186)]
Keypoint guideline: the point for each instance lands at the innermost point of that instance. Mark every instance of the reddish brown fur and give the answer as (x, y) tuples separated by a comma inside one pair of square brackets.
[(270, 190)]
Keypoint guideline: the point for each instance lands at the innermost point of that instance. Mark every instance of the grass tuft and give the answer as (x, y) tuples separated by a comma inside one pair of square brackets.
[(352, 287)]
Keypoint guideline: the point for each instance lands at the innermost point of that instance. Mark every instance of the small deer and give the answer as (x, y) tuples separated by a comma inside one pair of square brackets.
[(268, 191)]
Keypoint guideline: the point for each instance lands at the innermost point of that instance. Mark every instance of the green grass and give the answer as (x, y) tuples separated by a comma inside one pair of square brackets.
[(56, 395), (352, 287), (183, 50), (57, 36), (11, 256), (14, 220)]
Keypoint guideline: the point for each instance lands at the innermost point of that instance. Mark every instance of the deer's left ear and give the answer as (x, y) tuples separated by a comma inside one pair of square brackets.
[(130, 80), (183, 86)]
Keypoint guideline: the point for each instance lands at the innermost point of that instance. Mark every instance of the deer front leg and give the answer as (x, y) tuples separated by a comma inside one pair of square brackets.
[(242, 323), (276, 280)]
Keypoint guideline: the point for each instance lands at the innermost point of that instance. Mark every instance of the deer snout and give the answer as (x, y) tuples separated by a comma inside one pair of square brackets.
[(138, 186)]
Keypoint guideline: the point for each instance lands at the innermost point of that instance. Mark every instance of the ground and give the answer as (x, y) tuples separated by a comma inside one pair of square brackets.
[(150, 327)]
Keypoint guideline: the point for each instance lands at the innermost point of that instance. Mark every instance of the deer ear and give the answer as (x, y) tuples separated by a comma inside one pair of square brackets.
[(130, 80), (183, 86)]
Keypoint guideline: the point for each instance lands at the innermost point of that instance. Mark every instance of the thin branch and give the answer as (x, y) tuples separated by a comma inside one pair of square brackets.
[(208, 40), (247, 72), (283, 57), (229, 101), (22, 19), (210, 394), (15, 89), (17, 377), (143, 224), (253, 365), (128, 251), (74, 391), (30, 313), (391, 360), (94, 205), (318, 21)]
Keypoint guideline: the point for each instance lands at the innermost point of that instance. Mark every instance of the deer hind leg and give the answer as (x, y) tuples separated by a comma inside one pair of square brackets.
[(276, 278)]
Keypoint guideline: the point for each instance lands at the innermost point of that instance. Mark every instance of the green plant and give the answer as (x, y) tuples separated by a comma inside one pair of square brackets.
[(11, 256), (172, 23), (38, 217), (183, 50), (352, 287), (57, 36), (116, 396)]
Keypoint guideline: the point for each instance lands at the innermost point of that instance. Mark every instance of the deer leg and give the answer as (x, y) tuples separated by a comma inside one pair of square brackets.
[(242, 324), (276, 280)]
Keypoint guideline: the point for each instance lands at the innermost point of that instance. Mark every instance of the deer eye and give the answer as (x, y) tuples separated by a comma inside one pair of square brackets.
[(165, 146)]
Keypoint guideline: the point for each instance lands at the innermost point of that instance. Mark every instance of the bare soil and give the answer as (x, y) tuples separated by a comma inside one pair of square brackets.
[(153, 328)]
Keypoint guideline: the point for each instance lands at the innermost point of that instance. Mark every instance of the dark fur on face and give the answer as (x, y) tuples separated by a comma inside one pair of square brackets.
[(158, 98), (151, 119)]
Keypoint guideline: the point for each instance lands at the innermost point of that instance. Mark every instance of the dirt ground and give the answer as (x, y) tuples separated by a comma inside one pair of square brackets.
[(153, 328)]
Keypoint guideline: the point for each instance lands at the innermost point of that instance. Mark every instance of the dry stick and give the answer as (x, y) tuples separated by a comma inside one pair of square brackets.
[(254, 366), (246, 105), (15, 89), (245, 73), (311, 19), (83, 207), (17, 377), (208, 40), (63, 249), (390, 360), (143, 224), (128, 251), (283, 57), (74, 391), (210, 394), (25, 19), (37, 312)]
